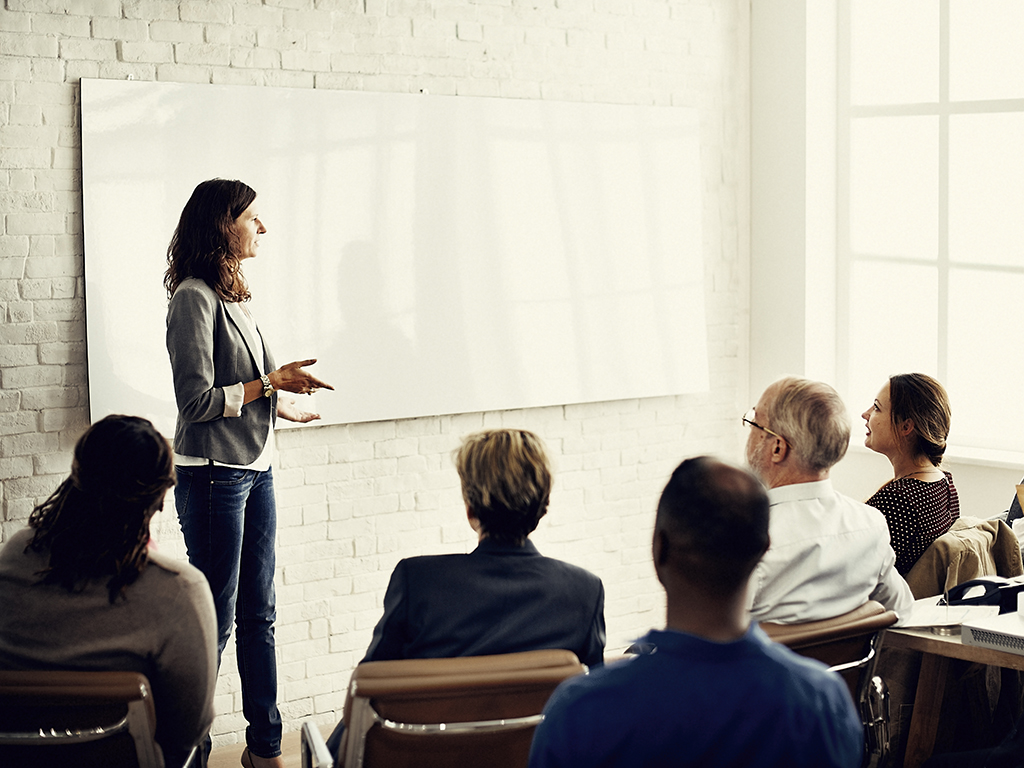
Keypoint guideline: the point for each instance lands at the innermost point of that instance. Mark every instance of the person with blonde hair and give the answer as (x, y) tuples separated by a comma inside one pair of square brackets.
[(908, 423), (82, 589), (829, 554), (504, 596)]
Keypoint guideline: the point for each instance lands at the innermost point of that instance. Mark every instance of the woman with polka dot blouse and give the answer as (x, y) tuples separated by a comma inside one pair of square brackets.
[(909, 423)]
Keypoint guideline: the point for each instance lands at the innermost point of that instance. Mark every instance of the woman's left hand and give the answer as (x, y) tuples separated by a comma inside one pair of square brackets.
[(287, 409)]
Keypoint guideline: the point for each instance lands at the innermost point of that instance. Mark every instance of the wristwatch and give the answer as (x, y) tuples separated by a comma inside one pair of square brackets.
[(268, 388)]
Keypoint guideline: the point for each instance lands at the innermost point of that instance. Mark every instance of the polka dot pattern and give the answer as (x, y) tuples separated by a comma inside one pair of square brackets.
[(917, 513)]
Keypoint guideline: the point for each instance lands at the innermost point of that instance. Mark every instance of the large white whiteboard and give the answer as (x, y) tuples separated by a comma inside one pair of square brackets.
[(438, 254)]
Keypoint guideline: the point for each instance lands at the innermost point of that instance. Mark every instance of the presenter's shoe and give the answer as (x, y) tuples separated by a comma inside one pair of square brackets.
[(249, 760)]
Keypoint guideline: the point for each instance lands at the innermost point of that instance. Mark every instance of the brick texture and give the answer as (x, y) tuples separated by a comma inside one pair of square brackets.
[(355, 499)]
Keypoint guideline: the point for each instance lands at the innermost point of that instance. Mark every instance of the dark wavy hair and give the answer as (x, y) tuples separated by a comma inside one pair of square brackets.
[(203, 244), (96, 524), (923, 400)]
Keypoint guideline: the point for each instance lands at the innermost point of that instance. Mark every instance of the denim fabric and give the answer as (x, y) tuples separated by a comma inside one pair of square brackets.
[(229, 520)]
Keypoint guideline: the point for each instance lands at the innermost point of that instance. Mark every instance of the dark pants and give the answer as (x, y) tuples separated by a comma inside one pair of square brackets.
[(229, 520), (334, 740), (1009, 754)]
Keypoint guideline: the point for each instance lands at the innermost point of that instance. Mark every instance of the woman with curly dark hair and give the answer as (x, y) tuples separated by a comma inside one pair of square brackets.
[(226, 385), (82, 590)]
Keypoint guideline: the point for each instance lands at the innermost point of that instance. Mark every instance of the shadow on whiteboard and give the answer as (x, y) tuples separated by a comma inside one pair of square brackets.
[(436, 254)]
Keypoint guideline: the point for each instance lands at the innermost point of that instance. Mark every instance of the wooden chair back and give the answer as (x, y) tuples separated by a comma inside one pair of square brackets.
[(84, 719), (468, 711)]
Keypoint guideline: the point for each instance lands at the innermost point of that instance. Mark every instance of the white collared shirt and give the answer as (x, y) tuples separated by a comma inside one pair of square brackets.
[(828, 555)]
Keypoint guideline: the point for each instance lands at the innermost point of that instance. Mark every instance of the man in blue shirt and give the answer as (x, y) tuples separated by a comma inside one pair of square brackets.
[(715, 691)]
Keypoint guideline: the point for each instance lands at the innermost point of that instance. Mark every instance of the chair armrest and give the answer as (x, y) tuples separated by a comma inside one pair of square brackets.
[(869, 617), (313, 747)]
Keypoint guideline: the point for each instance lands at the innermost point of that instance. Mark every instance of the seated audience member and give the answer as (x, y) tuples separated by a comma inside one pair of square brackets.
[(829, 553), (81, 590), (715, 691), (908, 423), (504, 596)]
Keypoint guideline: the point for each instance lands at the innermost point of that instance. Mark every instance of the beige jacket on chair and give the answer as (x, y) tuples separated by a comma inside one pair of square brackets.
[(972, 547)]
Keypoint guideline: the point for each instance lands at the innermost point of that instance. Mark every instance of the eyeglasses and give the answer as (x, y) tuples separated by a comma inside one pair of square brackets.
[(748, 420)]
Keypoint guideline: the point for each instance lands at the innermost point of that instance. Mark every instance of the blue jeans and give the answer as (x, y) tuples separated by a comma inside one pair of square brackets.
[(229, 520)]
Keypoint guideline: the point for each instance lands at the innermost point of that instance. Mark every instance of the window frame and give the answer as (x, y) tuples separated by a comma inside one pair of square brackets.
[(943, 109)]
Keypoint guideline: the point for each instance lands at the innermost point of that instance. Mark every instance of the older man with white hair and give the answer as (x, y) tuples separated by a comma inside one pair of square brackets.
[(829, 554)]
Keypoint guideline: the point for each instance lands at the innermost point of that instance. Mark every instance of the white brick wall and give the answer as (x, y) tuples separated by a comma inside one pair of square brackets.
[(354, 499)]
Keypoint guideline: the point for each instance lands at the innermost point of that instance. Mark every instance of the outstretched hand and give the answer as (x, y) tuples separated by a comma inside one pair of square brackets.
[(288, 409), (292, 378)]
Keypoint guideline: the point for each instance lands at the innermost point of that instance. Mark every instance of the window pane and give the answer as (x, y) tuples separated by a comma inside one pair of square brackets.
[(893, 324), (986, 55), (986, 188), (894, 186), (986, 367), (894, 51)]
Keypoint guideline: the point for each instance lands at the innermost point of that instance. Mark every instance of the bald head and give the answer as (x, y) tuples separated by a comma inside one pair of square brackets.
[(712, 525)]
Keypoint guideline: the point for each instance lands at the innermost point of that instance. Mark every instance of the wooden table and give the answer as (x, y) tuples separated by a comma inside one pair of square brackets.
[(936, 652)]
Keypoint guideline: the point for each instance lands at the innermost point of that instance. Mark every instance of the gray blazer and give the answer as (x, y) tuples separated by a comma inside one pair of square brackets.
[(211, 347)]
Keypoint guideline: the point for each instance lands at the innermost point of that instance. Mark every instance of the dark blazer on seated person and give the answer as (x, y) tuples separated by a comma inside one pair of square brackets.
[(500, 598)]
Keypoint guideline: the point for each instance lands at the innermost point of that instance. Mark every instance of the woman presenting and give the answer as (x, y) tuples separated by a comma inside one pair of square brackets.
[(225, 386), (908, 423)]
